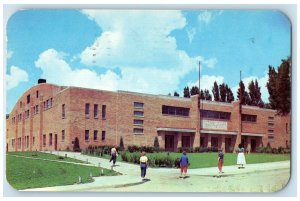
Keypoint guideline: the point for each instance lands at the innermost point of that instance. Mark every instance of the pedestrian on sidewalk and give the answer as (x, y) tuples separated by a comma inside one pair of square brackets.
[(143, 164), (220, 160), (113, 155), (184, 163), (241, 161)]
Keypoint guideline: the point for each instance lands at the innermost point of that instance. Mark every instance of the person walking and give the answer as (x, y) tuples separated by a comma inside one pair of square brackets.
[(241, 161), (113, 155), (184, 163), (143, 164), (220, 160)]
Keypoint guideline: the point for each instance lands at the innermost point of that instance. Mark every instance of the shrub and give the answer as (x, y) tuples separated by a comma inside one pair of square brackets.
[(121, 146), (133, 148), (156, 144)]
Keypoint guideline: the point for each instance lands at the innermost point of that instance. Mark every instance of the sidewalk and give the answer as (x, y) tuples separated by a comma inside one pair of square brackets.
[(167, 179)]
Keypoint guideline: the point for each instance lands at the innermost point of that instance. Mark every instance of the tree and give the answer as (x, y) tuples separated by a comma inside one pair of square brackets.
[(194, 90), (176, 94), (156, 144), (121, 145), (186, 92), (255, 94), (76, 146), (279, 87), (215, 92), (243, 95), (229, 94), (202, 97), (223, 92), (207, 95)]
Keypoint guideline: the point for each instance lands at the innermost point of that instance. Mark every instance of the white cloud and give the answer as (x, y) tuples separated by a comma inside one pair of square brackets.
[(191, 34), (57, 70), (262, 82), (9, 54), (207, 82), (16, 76), (210, 63), (205, 17)]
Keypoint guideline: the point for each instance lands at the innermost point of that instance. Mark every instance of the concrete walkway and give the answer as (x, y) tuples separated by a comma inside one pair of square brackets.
[(167, 179)]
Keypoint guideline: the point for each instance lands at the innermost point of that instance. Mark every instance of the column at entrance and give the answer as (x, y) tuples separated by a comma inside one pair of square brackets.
[(208, 140), (223, 142), (179, 140), (248, 142)]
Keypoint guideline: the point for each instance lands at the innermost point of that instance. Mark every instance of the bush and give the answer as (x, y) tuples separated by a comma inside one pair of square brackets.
[(133, 148), (156, 144), (121, 146)]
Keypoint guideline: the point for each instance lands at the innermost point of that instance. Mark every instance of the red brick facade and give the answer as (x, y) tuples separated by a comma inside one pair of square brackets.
[(50, 117)]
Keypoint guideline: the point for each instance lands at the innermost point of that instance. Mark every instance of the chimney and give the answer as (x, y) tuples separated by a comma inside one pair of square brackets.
[(40, 81)]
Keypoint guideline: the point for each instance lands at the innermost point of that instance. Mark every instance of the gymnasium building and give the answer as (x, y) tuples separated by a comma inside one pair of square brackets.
[(50, 117)]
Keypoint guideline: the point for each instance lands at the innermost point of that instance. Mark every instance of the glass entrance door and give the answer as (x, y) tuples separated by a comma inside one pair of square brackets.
[(169, 143)]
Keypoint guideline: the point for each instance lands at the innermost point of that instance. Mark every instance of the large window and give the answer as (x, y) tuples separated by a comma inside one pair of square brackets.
[(63, 111), (50, 139), (138, 122), (87, 110), (138, 113), (87, 135), (95, 135), (138, 105), (210, 114), (95, 111), (177, 111), (103, 135), (28, 99), (249, 118), (63, 135), (44, 140), (103, 111), (138, 130)]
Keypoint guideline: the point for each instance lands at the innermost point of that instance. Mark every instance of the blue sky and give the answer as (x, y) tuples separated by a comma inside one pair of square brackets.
[(153, 52)]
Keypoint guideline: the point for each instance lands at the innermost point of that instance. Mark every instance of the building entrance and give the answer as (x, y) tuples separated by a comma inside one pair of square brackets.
[(253, 145), (228, 145), (186, 141), (169, 142)]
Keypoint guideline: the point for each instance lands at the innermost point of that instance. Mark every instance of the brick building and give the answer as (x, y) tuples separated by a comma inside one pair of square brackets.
[(50, 117)]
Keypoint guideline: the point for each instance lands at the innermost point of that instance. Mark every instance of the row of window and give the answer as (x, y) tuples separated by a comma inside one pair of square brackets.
[(35, 110), (87, 111), (209, 114), (177, 111), (249, 118), (95, 136)]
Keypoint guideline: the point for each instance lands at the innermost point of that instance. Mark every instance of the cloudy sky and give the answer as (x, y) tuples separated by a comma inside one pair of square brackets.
[(148, 51)]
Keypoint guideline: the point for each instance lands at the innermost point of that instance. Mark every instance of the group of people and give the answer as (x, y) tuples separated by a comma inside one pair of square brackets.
[(183, 161)]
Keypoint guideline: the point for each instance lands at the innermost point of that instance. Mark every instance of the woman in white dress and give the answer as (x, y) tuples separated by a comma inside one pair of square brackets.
[(241, 157)]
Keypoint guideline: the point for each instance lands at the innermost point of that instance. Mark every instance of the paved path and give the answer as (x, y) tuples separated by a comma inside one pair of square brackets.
[(263, 177)]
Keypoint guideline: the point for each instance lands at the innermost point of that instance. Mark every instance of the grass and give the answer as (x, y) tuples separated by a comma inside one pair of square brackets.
[(24, 173), (203, 160), (45, 156)]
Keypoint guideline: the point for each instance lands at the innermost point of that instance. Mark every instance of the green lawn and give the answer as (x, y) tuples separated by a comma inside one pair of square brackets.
[(202, 160), (45, 156), (24, 173)]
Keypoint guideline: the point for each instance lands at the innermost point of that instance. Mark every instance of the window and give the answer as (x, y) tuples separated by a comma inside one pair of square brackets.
[(138, 122), (270, 124), (270, 118), (36, 109), (14, 120), (63, 111), (95, 135), (13, 143), (87, 135), (27, 142), (87, 110), (177, 111), (51, 102), (26, 114), (50, 139), (271, 137), (95, 111), (37, 94), (270, 131), (44, 140), (33, 140), (21, 104), (103, 111), (138, 105), (63, 135), (286, 127), (103, 135), (138, 113), (249, 118), (28, 99), (210, 114), (138, 130)]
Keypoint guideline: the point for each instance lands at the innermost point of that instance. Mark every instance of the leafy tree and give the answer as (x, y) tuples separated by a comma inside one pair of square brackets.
[(279, 87), (223, 92), (176, 94), (229, 94), (121, 145), (243, 95), (255, 94), (207, 95), (186, 92), (194, 90), (215, 91), (202, 97)]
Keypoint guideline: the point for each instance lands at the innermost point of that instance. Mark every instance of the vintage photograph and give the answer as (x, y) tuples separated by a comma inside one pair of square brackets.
[(140, 100)]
